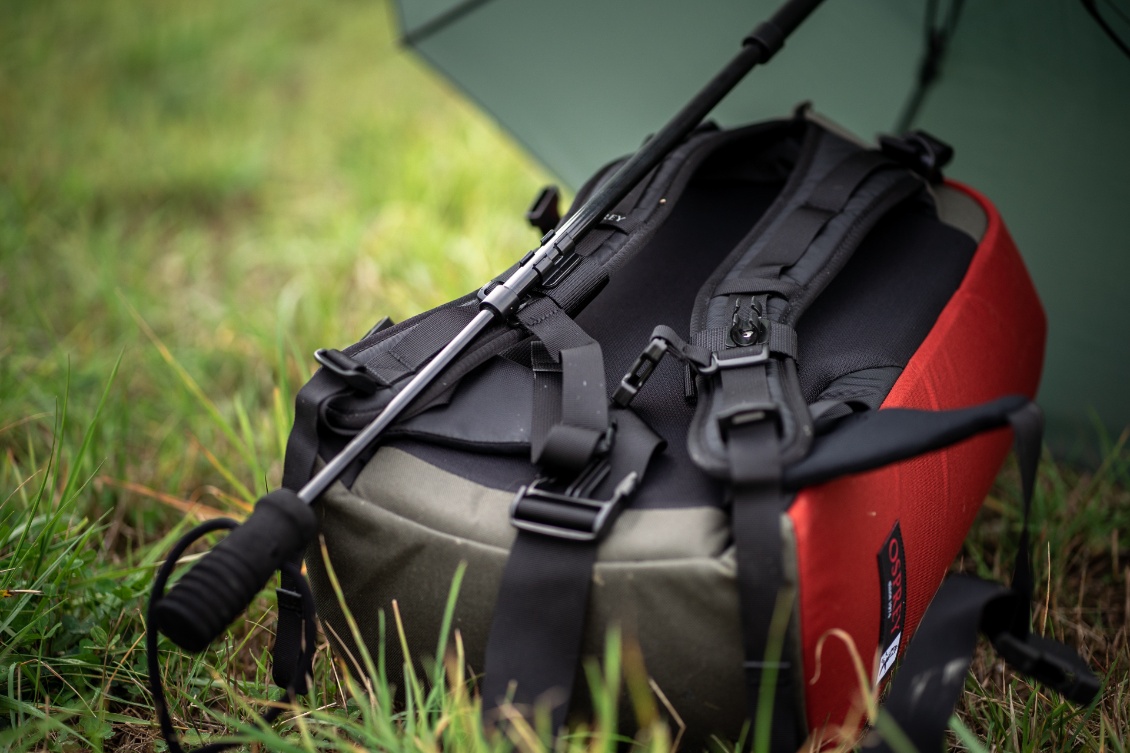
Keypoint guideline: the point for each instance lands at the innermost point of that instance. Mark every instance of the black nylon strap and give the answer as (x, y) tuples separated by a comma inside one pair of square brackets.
[(534, 643), (553, 326), (781, 339), (1028, 431), (533, 651), (546, 411), (302, 445), (287, 650), (753, 449), (756, 285), (563, 447), (298, 467), (423, 341)]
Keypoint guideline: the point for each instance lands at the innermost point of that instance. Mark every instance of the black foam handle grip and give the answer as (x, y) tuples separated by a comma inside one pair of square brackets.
[(221, 585)]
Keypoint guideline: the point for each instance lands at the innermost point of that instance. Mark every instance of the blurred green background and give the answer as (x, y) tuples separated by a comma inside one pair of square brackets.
[(208, 192), (251, 181)]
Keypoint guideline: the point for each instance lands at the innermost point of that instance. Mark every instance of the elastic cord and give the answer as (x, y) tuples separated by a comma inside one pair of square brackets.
[(304, 663)]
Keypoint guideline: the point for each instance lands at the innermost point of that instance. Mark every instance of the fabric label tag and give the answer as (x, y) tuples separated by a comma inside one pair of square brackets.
[(892, 598)]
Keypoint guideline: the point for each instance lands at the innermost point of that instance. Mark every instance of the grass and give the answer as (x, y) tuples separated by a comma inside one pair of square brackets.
[(194, 198)]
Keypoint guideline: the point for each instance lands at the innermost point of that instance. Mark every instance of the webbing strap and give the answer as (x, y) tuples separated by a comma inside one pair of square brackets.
[(533, 650), (298, 467), (570, 399), (929, 682), (781, 339), (765, 603), (756, 285), (414, 347)]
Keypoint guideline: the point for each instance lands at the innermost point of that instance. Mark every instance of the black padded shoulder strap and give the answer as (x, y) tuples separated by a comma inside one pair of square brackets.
[(835, 195)]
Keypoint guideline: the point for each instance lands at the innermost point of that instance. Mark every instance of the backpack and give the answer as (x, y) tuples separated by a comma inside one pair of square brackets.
[(747, 420), (814, 351)]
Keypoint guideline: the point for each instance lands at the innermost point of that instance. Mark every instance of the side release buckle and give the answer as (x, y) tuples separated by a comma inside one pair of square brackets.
[(1051, 664), (921, 152), (641, 370), (571, 513)]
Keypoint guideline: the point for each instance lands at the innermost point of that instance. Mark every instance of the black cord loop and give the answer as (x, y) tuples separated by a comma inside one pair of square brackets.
[(304, 662)]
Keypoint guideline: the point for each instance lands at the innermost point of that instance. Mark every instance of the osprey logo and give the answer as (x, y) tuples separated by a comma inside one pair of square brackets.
[(613, 217), (892, 598)]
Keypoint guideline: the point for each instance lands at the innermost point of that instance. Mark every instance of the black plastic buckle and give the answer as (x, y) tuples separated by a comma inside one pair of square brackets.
[(919, 151), (640, 372), (561, 269), (380, 326), (1036, 657), (571, 513), (349, 371), (544, 213)]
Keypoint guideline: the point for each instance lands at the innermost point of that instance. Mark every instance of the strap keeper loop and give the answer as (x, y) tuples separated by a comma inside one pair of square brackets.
[(748, 413)]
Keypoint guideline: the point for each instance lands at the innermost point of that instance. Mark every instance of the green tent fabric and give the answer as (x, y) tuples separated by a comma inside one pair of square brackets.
[(1035, 97)]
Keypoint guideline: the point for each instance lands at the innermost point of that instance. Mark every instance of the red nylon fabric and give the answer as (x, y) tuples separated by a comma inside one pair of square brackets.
[(988, 342)]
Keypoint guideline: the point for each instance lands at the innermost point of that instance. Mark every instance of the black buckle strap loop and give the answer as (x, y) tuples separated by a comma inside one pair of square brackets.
[(572, 512), (741, 358), (664, 340), (748, 413)]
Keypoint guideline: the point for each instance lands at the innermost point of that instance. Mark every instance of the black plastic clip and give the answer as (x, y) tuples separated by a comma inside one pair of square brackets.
[(380, 326), (663, 340), (544, 213), (571, 513), (640, 372), (919, 151), (1052, 664), (349, 371)]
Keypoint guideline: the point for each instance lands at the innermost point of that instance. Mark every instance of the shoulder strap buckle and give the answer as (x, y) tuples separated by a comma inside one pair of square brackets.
[(921, 152), (1052, 663)]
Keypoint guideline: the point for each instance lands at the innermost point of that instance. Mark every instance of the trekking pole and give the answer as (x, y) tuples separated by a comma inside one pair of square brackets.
[(221, 586)]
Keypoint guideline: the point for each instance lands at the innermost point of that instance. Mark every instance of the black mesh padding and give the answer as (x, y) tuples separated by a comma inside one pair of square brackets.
[(879, 309)]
